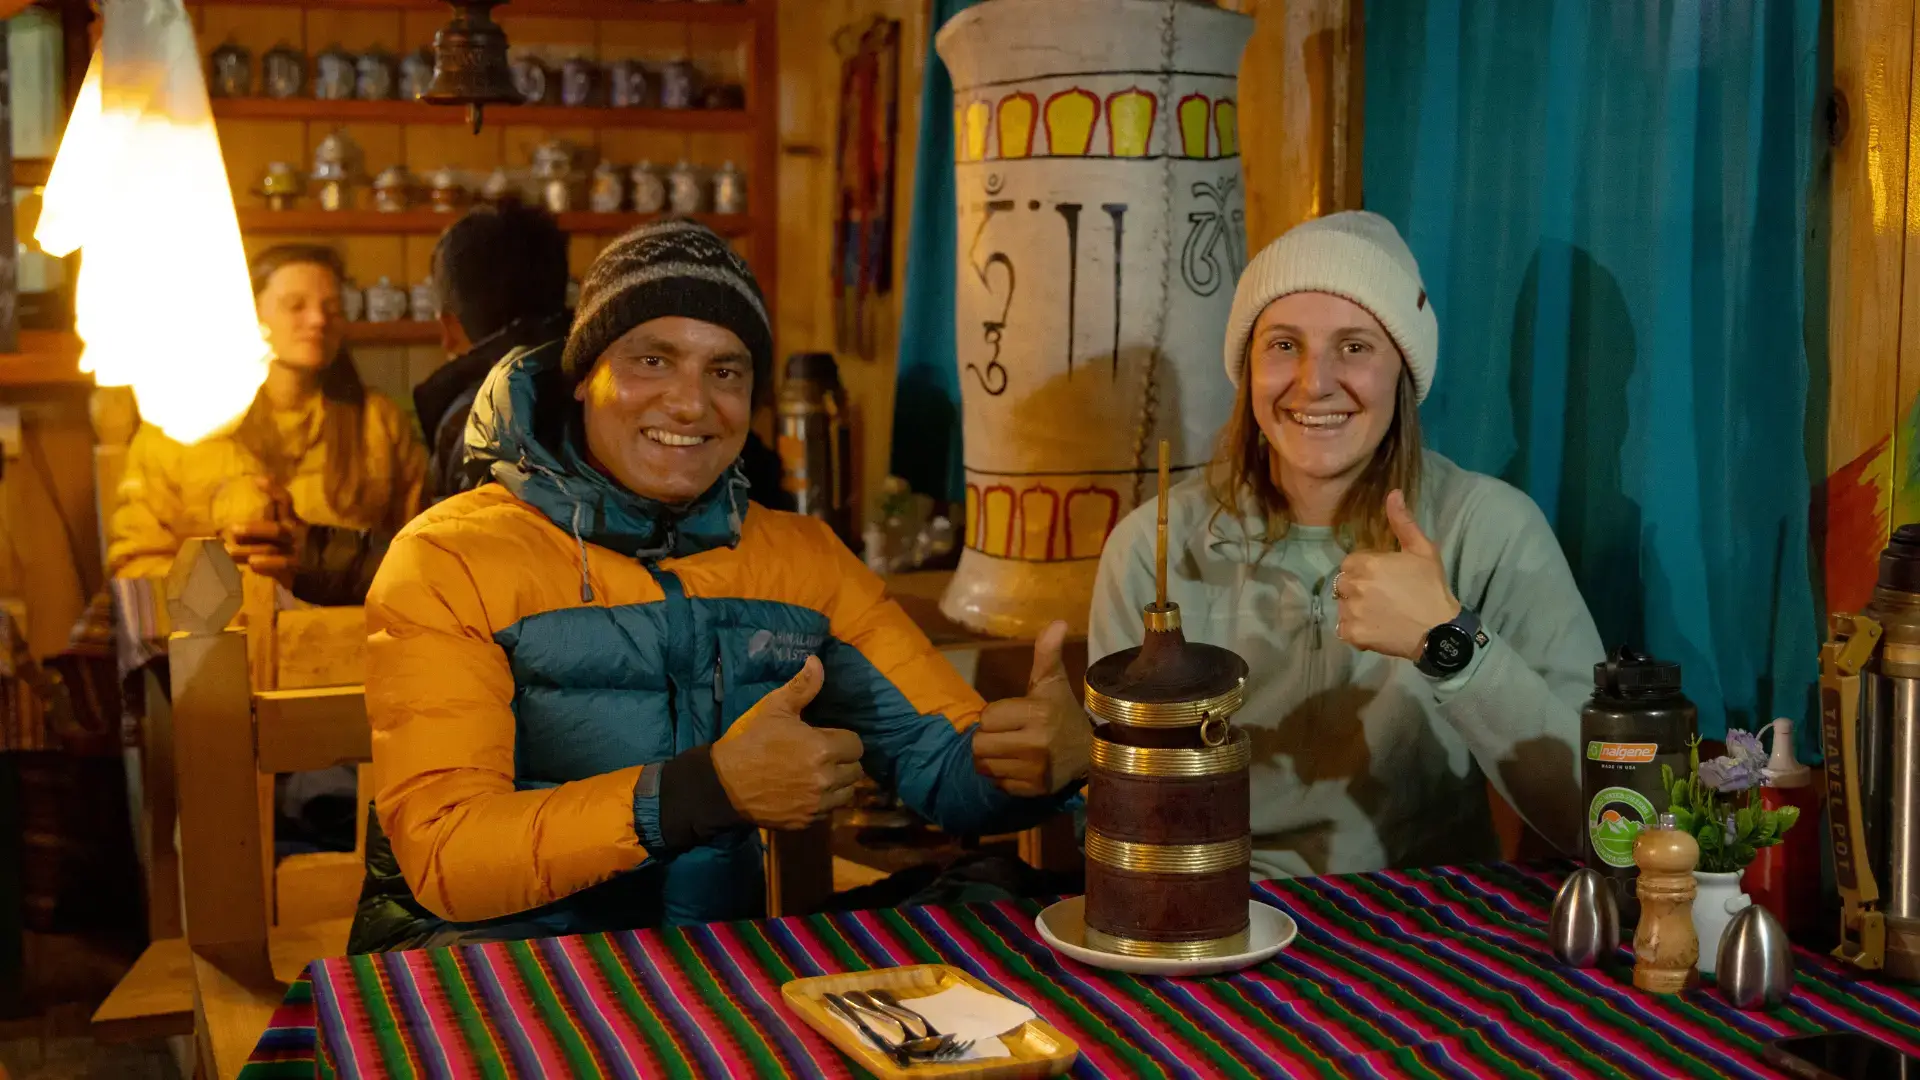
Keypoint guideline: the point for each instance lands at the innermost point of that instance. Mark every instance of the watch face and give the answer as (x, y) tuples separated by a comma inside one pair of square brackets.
[(1449, 647)]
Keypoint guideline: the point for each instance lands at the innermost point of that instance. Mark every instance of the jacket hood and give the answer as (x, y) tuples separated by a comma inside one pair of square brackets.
[(525, 431)]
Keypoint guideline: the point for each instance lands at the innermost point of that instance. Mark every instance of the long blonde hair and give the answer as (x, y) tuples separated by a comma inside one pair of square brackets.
[(1243, 466)]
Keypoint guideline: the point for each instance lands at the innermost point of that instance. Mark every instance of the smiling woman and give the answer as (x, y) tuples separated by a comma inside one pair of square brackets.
[(1412, 628)]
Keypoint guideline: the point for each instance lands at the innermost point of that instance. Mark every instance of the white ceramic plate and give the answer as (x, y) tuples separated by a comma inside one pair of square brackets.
[(1064, 926)]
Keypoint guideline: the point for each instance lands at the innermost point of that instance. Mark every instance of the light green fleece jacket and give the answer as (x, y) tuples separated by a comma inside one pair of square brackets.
[(1359, 760)]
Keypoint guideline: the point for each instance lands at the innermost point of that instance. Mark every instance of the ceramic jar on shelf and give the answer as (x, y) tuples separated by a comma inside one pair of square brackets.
[(447, 192), (336, 169), (375, 78), (649, 190), (386, 302), (393, 190), (425, 305), (607, 190), (232, 71), (416, 74), (553, 168), (579, 83), (679, 85), (353, 300), (283, 72), (533, 80), (335, 75), (626, 84), (685, 192), (729, 191), (281, 186)]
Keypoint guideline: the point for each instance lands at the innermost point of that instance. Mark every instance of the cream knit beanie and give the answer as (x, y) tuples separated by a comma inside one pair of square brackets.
[(1352, 254)]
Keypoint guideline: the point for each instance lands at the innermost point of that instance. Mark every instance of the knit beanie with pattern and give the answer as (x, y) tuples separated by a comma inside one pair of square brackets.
[(1353, 254), (666, 268)]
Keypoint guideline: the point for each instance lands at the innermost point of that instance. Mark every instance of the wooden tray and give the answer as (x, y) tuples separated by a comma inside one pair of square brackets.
[(1039, 1050)]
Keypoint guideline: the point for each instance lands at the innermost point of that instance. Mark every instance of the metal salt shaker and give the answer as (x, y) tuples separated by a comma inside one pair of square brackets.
[(1584, 929), (1755, 963)]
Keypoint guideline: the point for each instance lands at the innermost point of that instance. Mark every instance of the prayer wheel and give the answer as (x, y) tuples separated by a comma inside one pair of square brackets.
[(1168, 842)]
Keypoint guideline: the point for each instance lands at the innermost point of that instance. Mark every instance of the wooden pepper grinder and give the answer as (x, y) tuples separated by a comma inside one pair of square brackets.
[(1665, 947)]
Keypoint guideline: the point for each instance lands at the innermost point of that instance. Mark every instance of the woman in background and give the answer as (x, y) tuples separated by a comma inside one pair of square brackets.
[(315, 477), (1411, 627), (307, 489)]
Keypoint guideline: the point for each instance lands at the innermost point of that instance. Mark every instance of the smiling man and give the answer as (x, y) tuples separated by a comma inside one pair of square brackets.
[(592, 679)]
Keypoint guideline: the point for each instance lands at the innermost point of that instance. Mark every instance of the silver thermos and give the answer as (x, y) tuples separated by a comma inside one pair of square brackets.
[(1870, 724), (816, 442)]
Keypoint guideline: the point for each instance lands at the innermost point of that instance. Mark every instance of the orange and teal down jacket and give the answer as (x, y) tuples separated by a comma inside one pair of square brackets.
[(536, 642)]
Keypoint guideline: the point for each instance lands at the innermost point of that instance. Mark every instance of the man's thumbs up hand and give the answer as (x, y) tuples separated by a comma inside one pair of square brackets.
[(1037, 744)]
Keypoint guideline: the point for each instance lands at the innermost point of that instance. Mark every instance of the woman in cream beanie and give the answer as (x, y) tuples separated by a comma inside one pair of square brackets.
[(1412, 628)]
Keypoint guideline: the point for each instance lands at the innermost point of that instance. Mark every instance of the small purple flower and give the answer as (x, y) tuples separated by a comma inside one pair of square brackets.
[(1728, 775), (1744, 747)]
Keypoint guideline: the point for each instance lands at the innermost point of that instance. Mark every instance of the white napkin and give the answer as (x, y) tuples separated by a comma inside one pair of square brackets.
[(966, 1013)]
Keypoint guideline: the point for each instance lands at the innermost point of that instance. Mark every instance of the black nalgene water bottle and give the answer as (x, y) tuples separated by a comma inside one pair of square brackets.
[(1636, 721)]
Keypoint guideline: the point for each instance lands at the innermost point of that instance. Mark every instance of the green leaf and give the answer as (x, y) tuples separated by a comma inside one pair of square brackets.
[(1785, 818), (1744, 821), (1666, 776), (1683, 818)]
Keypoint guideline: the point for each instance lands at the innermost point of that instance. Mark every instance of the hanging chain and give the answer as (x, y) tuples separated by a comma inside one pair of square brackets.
[(1164, 120)]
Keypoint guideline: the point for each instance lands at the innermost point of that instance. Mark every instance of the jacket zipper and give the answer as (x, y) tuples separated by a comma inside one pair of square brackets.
[(719, 693), (1314, 614)]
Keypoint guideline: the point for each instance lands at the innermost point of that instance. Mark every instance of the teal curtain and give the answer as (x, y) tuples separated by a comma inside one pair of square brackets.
[(1611, 205), (926, 398)]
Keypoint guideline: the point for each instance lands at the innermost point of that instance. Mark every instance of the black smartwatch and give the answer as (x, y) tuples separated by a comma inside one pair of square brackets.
[(1448, 648)]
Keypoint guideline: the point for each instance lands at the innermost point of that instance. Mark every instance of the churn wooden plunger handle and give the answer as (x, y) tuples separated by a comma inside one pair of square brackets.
[(1160, 537)]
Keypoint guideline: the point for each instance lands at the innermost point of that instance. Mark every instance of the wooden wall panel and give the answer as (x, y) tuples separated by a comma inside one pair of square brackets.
[(809, 116), (1873, 58), (1301, 111)]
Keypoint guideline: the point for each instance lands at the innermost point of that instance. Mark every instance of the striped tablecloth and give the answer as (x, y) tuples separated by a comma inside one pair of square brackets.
[(1439, 972)]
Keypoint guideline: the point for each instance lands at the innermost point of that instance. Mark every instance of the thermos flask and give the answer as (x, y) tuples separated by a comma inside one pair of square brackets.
[(1870, 727)]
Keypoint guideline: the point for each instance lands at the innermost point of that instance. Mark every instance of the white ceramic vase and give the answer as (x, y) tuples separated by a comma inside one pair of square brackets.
[(1101, 228), (1716, 900)]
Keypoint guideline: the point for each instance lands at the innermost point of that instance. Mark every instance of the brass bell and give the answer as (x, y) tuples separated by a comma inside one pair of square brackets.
[(470, 61)]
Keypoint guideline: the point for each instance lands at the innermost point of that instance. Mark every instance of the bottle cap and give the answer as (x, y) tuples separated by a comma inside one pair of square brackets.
[(1632, 674), (1783, 769)]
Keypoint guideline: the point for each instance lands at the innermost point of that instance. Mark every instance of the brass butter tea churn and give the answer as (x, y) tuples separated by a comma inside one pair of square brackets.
[(1168, 840)]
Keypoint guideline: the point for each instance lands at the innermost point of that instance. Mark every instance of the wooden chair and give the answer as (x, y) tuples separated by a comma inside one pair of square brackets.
[(246, 708)]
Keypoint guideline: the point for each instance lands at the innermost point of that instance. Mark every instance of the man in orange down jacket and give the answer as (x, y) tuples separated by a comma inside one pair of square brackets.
[(592, 679)]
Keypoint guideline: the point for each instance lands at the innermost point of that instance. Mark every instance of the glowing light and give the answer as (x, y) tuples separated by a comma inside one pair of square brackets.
[(163, 303)]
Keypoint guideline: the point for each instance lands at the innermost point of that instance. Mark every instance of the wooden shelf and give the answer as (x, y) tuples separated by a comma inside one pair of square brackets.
[(404, 332), (414, 112), (46, 358), (686, 11), (430, 223)]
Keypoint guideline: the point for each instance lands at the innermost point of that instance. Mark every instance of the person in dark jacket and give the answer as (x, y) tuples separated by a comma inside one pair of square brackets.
[(500, 277)]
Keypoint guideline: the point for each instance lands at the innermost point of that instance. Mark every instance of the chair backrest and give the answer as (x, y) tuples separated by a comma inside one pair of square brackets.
[(232, 735)]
